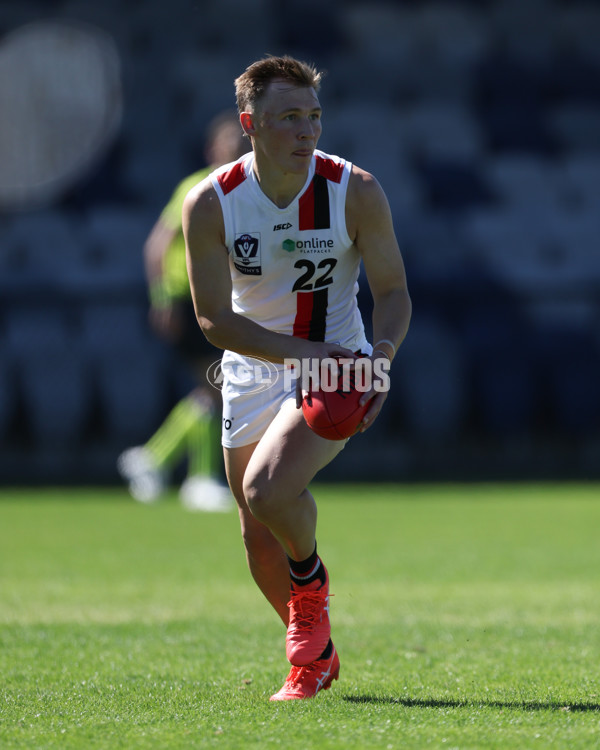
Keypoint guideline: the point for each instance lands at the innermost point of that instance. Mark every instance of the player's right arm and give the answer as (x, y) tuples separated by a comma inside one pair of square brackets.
[(210, 282), (207, 262)]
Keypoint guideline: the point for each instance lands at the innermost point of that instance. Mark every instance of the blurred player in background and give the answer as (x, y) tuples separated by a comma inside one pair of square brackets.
[(192, 429)]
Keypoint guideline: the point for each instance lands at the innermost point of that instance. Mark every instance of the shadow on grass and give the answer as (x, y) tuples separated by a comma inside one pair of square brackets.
[(448, 703)]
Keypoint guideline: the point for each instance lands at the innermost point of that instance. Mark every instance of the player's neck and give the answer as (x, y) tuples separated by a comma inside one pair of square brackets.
[(280, 187)]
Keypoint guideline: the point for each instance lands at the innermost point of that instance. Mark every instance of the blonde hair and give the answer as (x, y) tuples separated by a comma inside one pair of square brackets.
[(252, 84)]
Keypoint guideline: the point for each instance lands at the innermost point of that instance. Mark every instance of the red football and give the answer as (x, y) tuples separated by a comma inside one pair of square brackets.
[(334, 415)]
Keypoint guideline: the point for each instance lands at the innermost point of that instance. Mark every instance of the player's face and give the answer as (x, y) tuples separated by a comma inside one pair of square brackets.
[(288, 126)]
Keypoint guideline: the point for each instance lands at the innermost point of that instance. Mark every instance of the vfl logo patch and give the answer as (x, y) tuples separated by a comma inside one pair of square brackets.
[(246, 254)]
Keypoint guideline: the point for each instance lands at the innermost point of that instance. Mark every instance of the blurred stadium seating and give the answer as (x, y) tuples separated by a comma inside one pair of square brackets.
[(482, 122)]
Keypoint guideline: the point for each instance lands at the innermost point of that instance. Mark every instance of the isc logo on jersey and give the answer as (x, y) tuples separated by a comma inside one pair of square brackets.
[(246, 253)]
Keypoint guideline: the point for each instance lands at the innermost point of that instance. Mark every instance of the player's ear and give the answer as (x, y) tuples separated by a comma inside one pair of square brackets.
[(247, 121)]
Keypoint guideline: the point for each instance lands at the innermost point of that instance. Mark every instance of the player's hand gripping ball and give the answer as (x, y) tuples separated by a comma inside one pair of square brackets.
[(336, 414)]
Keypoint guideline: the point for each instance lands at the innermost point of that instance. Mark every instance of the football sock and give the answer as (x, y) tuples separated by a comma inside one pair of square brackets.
[(306, 571), (169, 442)]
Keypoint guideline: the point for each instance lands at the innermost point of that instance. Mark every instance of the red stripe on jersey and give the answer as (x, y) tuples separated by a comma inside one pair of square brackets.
[(304, 310), (306, 208), (329, 169), (311, 315), (232, 178)]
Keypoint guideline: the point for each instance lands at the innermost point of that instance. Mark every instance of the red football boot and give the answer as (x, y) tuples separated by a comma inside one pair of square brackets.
[(305, 682)]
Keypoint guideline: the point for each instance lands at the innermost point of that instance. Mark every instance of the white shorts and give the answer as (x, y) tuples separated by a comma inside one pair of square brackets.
[(253, 392)]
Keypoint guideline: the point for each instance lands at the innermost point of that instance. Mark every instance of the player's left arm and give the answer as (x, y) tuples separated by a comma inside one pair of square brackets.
[(370, 225)]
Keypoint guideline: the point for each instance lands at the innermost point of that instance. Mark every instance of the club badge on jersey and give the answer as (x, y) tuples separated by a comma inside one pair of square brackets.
[(246, 250)]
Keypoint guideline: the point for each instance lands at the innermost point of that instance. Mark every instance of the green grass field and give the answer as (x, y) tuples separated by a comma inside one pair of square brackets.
[(465, 617)]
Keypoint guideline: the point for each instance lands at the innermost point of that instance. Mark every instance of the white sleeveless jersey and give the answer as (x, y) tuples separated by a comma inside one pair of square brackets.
[(294, 270)]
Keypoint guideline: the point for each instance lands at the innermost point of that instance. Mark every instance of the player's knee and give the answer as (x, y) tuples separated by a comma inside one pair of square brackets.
[(259, 498)]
